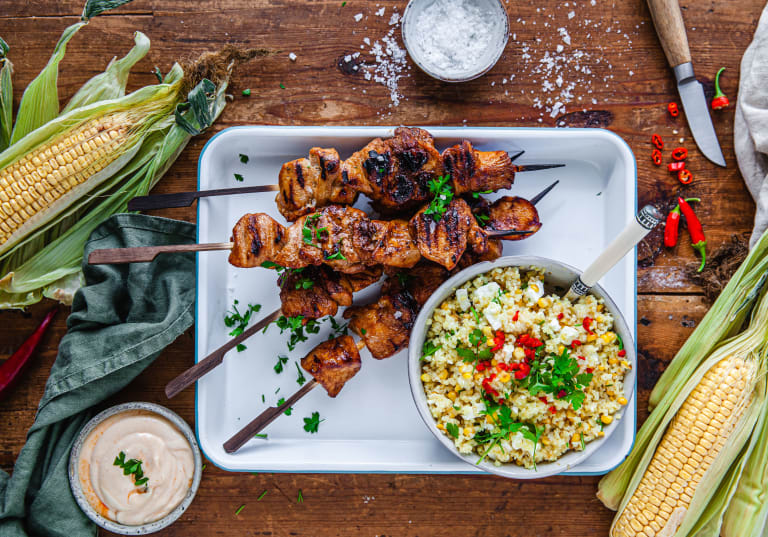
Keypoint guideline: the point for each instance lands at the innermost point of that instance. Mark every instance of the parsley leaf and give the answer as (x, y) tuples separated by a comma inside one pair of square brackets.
[(452, 429), (429, 349), (288, 410), (339, 329), (283, 271), (298, 328), (131, 466), (239, 177), (443, 195), (301, 379), (238, 321), (476, 195), (482, 219), (475, 314), (281, 361), (243, 158), (337, 254), (311, 423), (308, 229)]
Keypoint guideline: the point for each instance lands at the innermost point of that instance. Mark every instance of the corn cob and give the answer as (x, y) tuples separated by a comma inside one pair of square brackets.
[(695, 437), (56, 169)]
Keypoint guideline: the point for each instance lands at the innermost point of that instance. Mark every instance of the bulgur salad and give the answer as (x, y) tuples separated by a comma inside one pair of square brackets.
[(518, 376)]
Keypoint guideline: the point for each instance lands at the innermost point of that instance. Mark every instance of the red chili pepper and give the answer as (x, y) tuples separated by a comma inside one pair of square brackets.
[(560, 316), (672, 225), (698, 241), (575, 343), (581, 358), (685, 177), (657, 141), (11, 369), (673, 110), (720, 101), (523, 371), (514, 366), (622, 353), (516, 317), (543, 398), (590, 370), (675, 166), (679, 153), (656, 157), (586, 324), (498, 341)]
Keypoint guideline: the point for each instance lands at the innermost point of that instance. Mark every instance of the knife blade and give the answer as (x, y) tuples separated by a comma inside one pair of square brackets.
[(668, 21)]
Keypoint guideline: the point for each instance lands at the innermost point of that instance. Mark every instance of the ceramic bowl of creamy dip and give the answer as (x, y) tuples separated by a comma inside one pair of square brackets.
[(108, 449), (455, 40)]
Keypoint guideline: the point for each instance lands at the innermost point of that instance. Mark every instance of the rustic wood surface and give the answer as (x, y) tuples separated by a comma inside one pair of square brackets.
[(626, 90)]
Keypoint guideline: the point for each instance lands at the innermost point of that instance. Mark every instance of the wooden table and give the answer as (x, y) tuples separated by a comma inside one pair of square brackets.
[(623, 84)]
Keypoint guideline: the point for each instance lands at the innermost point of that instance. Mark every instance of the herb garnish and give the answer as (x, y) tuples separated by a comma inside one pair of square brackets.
[(301, 379), (501, 415), (620, 341), (243, 158), (443, 195), (403, 277), (239, 509), (339, 329), (308, 230), (499, 294), (300, 498), (475, 314), (239, 321), (558, 375), (296, 326), (476, 195), (482, 219), (282, 86), (288, 410), (452, 429), (260, 435), (476, 338), (581, 435), (246, 92), (131, 466), (239, 177), (429, 349), (303, 283), (261, 496), (281, 361), (337, 254), (311, 423)]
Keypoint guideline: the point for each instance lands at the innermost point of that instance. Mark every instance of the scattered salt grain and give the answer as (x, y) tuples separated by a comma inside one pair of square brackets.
[(571, 15), (292, 56), (358, 17), (380, 13)]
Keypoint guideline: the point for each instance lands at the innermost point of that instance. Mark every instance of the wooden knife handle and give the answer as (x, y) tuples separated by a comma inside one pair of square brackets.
[(668, 20)]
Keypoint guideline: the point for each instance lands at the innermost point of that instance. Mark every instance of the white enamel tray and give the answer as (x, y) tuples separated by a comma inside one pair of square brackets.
[(373, 425)]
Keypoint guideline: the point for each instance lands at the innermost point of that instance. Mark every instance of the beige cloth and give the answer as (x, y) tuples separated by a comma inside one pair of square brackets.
[(750, 129)]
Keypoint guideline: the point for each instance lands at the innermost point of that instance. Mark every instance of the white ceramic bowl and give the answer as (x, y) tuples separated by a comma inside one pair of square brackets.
[(150, 527), (485, 61), (558, 278)]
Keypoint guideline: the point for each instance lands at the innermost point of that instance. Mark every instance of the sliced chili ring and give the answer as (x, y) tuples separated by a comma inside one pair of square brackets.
[(657, 141), (676, 166), (673, 110), (685, 177), (679, 153), (656, 157)]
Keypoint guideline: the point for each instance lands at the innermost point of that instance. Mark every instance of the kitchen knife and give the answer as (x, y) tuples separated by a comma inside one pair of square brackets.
[(670, 28)]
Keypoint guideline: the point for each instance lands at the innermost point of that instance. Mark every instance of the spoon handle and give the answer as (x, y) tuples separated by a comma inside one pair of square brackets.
[(647, 219)]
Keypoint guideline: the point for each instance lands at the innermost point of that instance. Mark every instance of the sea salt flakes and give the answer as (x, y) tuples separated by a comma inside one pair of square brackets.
[(292, 57), (358, 17)]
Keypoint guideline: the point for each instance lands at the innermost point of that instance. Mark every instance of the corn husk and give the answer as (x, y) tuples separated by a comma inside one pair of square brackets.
[(6, 97), (618, 485)]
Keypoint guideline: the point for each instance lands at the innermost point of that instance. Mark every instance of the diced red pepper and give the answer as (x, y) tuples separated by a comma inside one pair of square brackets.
[(657, 141), (560, 316), (561, 394), (575, 343), (581, 358), (553, 409), (523, 371), (685, 177), (675, 166), (622, 353), (656, 157), (498, 341), (514, 366), (480, 367), (589, 369), (516, 317), (679, 153), (586, 324), (543, 398), (673, 110)]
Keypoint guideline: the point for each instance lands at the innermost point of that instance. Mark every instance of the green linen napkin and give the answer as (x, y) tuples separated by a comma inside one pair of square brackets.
[(121, 320)]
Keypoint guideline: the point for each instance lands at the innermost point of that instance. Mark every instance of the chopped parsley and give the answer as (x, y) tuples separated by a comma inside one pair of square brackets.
[(620, 341), (298, 327), (260, 435), (504, 425), (309, 229), (239, 177), (300, 498), (304, 283), (243, 158), (311, 423), (363, 331), (238, 321), (476, 195), (337, 254), (443, 195), (282, 86), (131, 467), (429, 349), (475, 314), (239, 509), (281, 361), (559, 376), (288, 410), (263, 399), (452, 429), (281, 271), (482, 219), (403, 277), (339, 329), (343, 4), (261, 496), (499, 294), (301, 379), (581, 435), (476, 339), (246, 92)]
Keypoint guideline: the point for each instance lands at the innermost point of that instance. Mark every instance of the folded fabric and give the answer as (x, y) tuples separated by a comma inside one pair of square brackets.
[(121, 320), (750, 129)]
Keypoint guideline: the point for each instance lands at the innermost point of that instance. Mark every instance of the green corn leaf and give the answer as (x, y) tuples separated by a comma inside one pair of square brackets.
[(6, 97), (111, 83), (94, 8)]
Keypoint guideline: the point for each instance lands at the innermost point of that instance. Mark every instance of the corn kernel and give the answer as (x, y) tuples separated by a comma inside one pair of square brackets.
[(560, 349), (625, 363), (478, 376), (468, 431), (622, 400), (490, 342), (545, 440), (543, 302), (599, 318), (601, 434), (613, 361), (494, 362), (451, 395), (443, 374), (425, 377), (601, 368), (504, 377), (591, 338), (487, 332), (608, 337), (467, 375), (576, 438), (606, 419), (610, 393), (488, 419), (441, 426)]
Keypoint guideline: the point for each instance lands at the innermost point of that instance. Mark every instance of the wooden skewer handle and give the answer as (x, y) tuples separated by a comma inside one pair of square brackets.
[(143, 254), (210, 362), (264, 419)]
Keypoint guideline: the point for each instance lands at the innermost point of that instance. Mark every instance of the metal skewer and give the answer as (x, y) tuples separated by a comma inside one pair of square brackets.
[(210, 362)]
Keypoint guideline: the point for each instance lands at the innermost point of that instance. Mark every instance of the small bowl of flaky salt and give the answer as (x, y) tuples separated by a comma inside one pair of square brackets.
[(455, 40)]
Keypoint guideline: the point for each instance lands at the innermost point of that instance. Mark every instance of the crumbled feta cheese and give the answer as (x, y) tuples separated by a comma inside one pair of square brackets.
[(554, 325), (534, 291), (463, 299), (482, 296), (568, 334), (493, 315)]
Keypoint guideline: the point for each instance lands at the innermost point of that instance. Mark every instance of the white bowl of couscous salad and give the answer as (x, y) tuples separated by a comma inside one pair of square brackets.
[(515, 379)]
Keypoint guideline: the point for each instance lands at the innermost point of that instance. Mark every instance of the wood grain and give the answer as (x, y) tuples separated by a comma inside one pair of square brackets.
[(626, 91), (668, 20)]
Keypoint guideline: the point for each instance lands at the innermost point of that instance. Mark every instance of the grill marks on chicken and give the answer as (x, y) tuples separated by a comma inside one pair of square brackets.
[(394, 173), (511, 212), (333, 362), (348, 241)]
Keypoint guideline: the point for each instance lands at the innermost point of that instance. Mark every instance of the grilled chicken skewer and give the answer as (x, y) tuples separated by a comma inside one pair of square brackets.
[(394, 173), (384, 326)]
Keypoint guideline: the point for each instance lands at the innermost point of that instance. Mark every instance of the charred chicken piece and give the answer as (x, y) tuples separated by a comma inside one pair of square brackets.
[(446, 240), (315, 292), (384, 325), (333, 363), (509, 212), (478, 171)]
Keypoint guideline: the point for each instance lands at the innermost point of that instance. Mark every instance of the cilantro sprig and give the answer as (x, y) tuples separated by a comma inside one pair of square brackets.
[(239, 321), (313, 422), (443, 194), (131, 467)]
